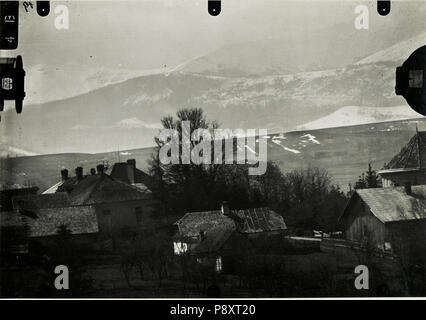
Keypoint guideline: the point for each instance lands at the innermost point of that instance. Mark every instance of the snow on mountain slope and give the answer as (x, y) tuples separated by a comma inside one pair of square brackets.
[(310, 138), (46, 83), (354, 115), (397, 52), (128, 113)]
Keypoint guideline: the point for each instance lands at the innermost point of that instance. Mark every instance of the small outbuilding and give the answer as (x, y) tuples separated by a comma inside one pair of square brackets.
[(387, 217), (218, 237)]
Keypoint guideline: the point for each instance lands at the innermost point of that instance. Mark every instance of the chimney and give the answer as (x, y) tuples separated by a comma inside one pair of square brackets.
[(131, 170), (93, 171), (225, 208), (64, 174), (100, 168), (407, 186), (202, 235), (79, 173)]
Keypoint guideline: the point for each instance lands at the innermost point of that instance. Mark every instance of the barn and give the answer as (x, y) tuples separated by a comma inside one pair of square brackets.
[(387, 218)]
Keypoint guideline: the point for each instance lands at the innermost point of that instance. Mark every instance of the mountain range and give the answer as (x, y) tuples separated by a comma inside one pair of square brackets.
[(280, 84)]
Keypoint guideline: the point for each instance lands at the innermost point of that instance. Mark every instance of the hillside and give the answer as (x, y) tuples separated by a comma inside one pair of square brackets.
[(345, 152)]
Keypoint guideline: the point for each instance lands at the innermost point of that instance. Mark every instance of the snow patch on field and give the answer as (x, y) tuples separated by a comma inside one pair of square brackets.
[(277, 141), (311, 138), (290, 150)]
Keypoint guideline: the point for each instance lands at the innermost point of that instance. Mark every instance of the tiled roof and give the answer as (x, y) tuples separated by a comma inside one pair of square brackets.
[(394, 204), (253, 220), (412, 155), (260, 220), (52, 200), (79, 220), (214, 240), (100, 188), (118, 171), (192, 223)]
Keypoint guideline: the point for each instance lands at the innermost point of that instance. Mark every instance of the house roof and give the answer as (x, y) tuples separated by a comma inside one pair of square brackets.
[(412, 155), (393, 204), (79, 220), (214, 240), (192, 223), (53, 200), (100, 188), (253, 220), (119, 171), (260, 220), (53, 188)]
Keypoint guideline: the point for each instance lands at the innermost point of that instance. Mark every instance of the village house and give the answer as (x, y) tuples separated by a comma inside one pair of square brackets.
[(39, 217), (217, 237), (121, 208), (92, 208), (387, 217), (408, 166), (21, 227)]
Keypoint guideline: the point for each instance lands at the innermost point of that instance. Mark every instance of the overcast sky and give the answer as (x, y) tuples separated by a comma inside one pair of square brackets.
[(144, 34), (151, 34)]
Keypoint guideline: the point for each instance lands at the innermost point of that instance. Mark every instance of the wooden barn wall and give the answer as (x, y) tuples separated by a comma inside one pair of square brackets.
[(362, 225)]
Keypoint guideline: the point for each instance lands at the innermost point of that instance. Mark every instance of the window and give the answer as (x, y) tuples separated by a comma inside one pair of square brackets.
[(415, 79), (138, 212), (388, 246), (218, 266), (180, 247)]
